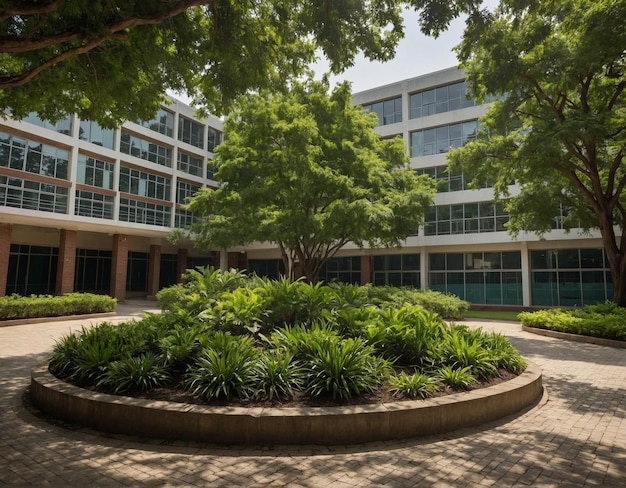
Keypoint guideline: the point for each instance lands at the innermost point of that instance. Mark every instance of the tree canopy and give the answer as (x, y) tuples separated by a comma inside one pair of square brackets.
[(307, 171), (559, 131), (113, 60)]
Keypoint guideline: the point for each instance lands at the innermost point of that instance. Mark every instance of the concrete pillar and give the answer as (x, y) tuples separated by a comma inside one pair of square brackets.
[(366, 270), (526, 272), (223, 260), (66, 265), (119, 267), (154, 270), (182, 264), (424, 267), (5, 249)]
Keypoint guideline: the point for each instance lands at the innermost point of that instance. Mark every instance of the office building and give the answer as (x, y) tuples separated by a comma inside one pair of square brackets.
[(88, 209)]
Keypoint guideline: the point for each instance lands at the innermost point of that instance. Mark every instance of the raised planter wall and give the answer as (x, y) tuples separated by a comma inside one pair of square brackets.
[(310, 425)]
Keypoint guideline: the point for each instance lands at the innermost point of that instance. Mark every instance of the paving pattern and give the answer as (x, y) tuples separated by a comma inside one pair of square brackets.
[(576, 435)]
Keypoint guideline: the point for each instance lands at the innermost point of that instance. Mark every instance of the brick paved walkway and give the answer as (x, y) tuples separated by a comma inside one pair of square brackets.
[(575, 437)]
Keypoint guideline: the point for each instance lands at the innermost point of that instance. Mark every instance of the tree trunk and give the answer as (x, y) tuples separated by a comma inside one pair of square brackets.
[(615, 257), (618, 273)]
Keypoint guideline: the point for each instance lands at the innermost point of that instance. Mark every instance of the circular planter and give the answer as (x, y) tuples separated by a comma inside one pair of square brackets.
[(599, 341), (352, 424)]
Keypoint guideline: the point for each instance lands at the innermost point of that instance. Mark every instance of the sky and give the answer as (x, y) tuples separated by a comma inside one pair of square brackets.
[(416, 55)]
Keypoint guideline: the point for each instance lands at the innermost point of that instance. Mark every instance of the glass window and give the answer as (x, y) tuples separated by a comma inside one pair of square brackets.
[(92, 132), (95, 172), (163, 123), (388, 111), (214, 139), (63, 126), (191, 132), (144, 184), (190, 164), (441, 139), (144, 149), (440, 100)]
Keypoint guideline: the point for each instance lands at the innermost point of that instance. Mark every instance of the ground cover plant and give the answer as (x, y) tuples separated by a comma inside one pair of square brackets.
[(606, 320), (22, 307), (226, 337)]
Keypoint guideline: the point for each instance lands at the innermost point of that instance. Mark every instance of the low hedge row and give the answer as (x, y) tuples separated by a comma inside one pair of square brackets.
[(607, 320), (21, 307)]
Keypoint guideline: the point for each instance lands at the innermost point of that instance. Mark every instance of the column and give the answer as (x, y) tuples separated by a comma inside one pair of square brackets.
[(366, 270), (526, 272), (119, 267), (66, 265), (182, 264), (424, 267), (5, 249), (223, 260), (154, 270)]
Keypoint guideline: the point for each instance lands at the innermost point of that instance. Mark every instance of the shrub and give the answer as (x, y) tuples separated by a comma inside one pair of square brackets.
[(456, 378), (135, 373), (344, 368), (605, 320), (225, 369), (19, 307), (448, 306), (414, 386), (463, 348), (278, 375)]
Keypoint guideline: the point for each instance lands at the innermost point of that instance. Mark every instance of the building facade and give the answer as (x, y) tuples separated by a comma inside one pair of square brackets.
[(464, 248), (84, 208)]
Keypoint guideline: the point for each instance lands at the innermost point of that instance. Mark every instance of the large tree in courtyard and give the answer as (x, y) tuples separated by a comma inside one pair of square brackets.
[(560, 130), (306, 170), (112, 60)]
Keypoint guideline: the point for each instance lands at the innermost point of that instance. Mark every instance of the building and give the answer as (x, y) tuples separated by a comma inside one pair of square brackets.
[(87, 209), (84, 208), (464, 248)]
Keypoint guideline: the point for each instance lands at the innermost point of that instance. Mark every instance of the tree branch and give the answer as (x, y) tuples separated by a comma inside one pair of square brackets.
[(28, 10), (113, 33)]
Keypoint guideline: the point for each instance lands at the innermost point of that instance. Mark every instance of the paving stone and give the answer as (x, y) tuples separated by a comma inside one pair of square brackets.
[(575, 438)]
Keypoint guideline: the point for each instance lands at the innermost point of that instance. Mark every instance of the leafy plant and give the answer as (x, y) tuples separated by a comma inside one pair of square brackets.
[(135, 373), (417, 385), (225, 369), (456, 378), (278, 375), (20, 307), (344, 368), (463, 348)]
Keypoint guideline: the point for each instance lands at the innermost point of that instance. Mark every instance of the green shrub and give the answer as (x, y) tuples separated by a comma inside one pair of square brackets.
[(463, 348), (414, 386), (140, 373), (456, 378), (267, 339), (448, 306), (225, 369), (19, 307), (605, 320), (344, 368), (278, 375)]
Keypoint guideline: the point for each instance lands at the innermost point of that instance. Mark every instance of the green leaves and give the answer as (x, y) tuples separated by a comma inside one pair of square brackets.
[(305, 170), (559, 133)]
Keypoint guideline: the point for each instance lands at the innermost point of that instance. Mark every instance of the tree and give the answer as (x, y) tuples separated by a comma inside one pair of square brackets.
[(560, 131), (112, 60), (305, 170)]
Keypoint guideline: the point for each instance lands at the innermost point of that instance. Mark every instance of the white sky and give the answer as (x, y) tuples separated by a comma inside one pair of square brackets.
[(416, 55)]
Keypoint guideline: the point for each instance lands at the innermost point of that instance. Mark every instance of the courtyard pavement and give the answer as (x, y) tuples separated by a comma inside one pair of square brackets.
[(575, 436)]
